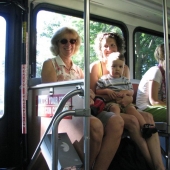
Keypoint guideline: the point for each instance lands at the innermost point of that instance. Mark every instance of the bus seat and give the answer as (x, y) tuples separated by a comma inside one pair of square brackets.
[(34, 81)]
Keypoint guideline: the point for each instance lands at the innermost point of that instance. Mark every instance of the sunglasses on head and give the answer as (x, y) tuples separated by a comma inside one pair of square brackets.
[(109, 34), (65, 41)]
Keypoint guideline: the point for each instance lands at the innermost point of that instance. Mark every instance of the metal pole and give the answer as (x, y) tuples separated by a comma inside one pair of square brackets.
[(87, 83), (166, 49), (54, 143)]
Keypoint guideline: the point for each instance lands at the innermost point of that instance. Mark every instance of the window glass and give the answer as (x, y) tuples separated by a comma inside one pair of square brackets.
[(2, 62), (145, 45), (49, 22)]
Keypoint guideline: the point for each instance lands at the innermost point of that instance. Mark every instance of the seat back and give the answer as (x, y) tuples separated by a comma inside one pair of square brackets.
[(34, 81)]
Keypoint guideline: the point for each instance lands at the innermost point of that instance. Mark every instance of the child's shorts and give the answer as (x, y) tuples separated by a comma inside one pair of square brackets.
[(122, 109)]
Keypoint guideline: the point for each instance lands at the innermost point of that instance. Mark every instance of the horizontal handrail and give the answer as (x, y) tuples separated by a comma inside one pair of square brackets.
[(57, 84)]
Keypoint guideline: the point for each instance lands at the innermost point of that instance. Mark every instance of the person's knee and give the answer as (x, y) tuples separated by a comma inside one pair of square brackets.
[(115, 124), (148, 117), (96, 129), (132, 124)]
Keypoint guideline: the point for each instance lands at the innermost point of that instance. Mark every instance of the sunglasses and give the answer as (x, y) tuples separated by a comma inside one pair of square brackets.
[(65, 41)]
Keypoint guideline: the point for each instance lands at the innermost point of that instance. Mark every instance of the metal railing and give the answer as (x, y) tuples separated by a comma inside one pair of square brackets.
[(54, 124)]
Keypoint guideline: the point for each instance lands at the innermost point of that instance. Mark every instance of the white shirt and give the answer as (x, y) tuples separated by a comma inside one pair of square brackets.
[(142, 99)]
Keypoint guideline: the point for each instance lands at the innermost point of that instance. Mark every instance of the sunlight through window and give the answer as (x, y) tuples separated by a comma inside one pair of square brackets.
[(2, 63)]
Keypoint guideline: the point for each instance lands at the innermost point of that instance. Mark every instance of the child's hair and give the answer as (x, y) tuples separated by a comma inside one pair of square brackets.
[(115, 56)]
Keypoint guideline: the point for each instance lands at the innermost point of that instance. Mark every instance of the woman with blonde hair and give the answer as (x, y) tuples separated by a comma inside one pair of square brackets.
[(151, 95)]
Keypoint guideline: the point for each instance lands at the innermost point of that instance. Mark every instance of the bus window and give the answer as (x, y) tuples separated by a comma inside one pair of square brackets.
[(2, 63), (48, 22), (145, 44)]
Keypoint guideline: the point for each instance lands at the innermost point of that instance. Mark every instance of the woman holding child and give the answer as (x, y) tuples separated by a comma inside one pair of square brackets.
[(107, 43)]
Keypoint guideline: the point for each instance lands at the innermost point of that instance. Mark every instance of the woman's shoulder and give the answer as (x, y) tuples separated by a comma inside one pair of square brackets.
[(49, 60), (153, 69), (95, 65)]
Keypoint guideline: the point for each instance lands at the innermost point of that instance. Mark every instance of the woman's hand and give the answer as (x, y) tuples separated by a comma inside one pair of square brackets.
[(92, 96)]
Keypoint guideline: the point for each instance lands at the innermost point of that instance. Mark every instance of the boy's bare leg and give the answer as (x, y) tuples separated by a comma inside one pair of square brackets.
[(115, 109), (132, 111)]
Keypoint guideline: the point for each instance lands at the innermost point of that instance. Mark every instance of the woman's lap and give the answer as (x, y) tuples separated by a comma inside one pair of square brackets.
[(104, 116), (159, 113)]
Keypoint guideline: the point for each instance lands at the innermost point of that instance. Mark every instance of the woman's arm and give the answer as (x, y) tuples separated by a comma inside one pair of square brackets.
[(48, 73), (94, 76), (126, 72), (153, 94), (81, 74)]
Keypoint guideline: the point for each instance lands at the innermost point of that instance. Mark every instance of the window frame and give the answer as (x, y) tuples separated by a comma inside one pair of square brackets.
[(66, 11), (147, 31)]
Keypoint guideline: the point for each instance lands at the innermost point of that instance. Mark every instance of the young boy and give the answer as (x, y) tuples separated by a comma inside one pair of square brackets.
[(117, 88)]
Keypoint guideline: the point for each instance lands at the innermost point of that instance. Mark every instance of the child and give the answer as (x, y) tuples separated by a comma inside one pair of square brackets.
[(119, 88)]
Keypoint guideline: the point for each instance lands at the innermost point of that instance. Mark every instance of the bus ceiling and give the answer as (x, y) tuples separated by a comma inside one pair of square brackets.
[(143, 10)]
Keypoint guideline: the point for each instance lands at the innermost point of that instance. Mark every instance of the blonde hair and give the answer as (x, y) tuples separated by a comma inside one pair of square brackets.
[(159, 53), (57, 37), (117, 37)]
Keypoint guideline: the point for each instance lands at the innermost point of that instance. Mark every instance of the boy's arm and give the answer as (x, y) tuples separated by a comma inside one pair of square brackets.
[(123, 93), (125, 100), (108, 92)]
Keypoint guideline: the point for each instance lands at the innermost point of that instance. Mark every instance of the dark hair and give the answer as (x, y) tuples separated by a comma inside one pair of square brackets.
[(117, 37), (59, 34)]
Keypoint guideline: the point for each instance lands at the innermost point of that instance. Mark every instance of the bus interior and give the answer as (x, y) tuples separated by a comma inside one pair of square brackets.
[(29, 110)]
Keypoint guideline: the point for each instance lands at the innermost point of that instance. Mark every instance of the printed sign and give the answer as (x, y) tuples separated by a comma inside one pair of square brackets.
[(46, 105)]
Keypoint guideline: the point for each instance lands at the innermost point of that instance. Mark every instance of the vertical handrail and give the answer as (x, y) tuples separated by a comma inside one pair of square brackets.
[(166, 49), (54, 143), (60, 108), (87, 83), (58, 118)]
